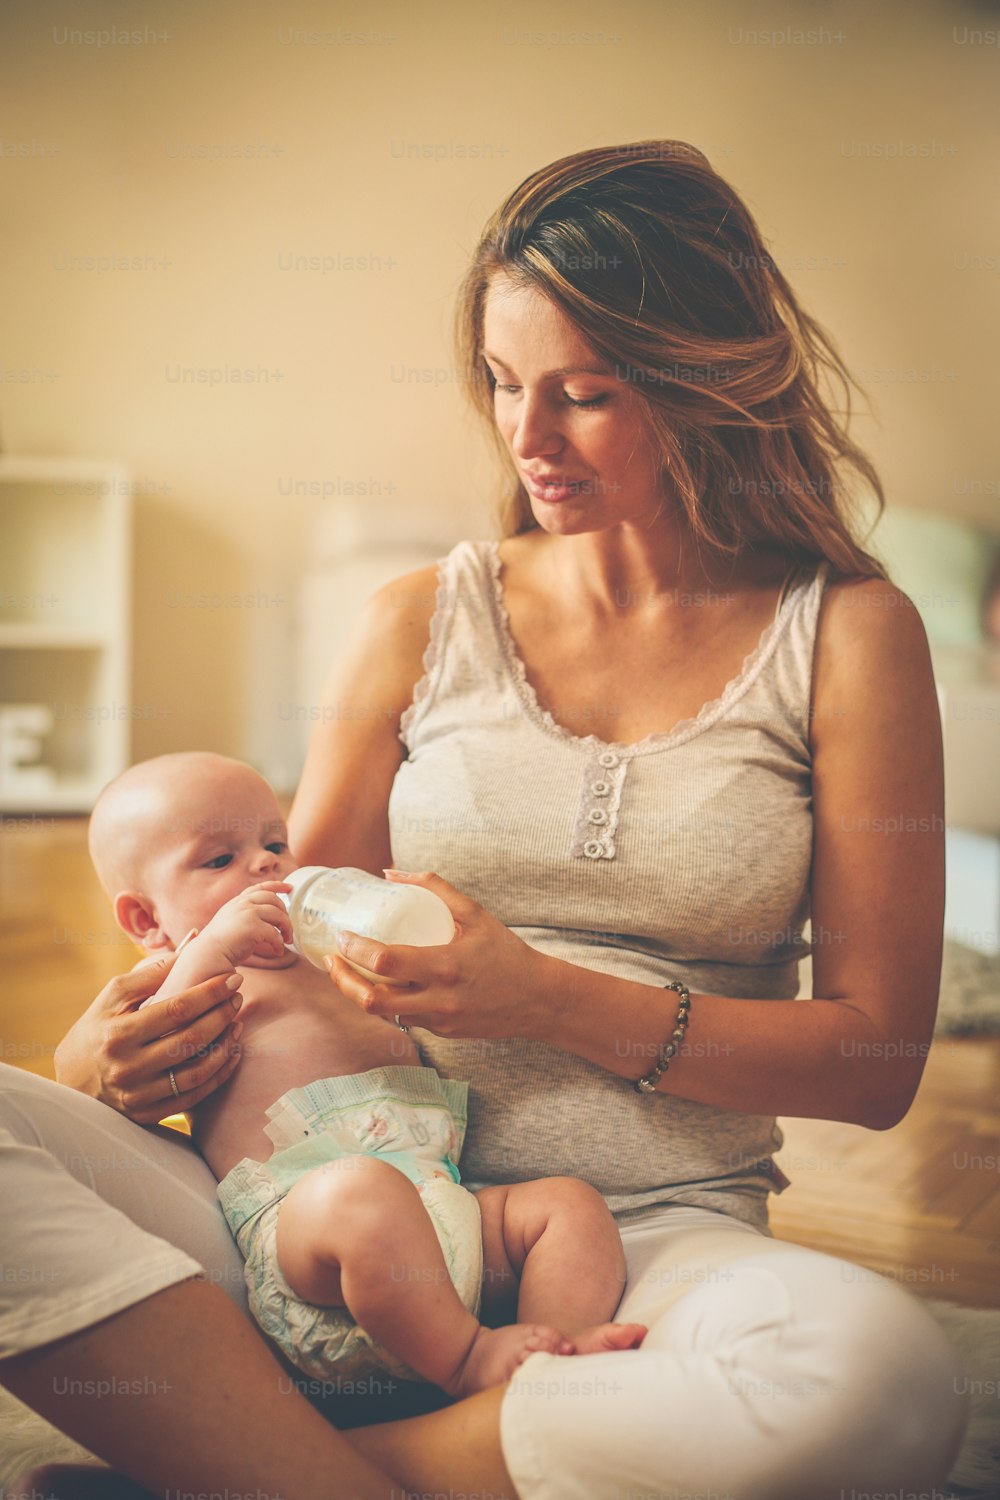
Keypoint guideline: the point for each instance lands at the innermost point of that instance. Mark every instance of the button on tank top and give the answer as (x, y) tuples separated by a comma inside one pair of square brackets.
[(684, 856)]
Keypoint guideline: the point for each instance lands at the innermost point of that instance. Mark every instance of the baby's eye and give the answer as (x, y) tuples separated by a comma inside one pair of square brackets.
[(277, 847), (219, 862)]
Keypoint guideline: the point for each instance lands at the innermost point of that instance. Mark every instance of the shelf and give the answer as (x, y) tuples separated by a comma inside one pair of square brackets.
[(52, 638), (70, 794), (65, 631), (66, 536), (90, 721)]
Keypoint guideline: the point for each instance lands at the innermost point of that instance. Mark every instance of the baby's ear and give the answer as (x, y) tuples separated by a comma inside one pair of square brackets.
[(135, 916)]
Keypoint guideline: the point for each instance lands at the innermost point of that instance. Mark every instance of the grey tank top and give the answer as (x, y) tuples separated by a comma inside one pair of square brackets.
[(684, 856)]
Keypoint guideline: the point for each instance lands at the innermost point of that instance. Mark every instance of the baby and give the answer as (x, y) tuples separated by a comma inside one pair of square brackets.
[(362, 1250)]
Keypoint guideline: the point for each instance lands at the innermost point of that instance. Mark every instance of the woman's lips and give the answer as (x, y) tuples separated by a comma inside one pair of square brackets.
[(554, 489)]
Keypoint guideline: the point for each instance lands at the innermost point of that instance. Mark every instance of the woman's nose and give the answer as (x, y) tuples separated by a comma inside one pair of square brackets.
[(535, 430)]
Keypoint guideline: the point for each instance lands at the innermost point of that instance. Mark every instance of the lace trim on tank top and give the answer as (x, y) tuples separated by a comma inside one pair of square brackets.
[(753, 664), (433, 655)]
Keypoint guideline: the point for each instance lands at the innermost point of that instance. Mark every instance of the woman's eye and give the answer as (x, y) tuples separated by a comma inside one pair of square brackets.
[(219, 862), (510, 390)]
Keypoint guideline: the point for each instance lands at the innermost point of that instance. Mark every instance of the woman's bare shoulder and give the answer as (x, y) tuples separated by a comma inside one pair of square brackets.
[(409, 597), (870, 643), (393, 628), (860, 612)]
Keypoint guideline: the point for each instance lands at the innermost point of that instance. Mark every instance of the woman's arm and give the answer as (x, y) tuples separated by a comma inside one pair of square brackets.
[(857, 1053), (340, 815)]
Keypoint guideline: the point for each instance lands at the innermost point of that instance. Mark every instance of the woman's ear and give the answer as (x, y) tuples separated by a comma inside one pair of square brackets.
[(135, 915)]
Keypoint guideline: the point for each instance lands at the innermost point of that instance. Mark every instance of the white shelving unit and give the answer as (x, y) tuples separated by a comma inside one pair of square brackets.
[(65, 631)]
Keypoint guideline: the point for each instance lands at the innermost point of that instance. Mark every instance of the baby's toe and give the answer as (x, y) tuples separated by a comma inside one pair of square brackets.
[(546, 1340)]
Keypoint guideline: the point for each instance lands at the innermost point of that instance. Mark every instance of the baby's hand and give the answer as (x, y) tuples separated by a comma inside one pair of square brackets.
[(253, 924)]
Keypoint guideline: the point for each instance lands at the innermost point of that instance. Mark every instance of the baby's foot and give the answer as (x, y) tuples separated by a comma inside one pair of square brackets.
[(495, 1354), (604, 1337)]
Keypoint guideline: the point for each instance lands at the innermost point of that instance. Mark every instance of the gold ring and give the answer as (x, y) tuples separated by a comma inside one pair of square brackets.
[(173, 1083)]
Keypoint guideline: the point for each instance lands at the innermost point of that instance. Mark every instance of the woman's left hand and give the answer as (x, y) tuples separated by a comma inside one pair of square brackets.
[(484, 983)]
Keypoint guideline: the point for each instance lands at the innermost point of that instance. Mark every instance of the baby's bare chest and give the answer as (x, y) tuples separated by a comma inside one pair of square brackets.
[(297, 1028), (296, 1021)]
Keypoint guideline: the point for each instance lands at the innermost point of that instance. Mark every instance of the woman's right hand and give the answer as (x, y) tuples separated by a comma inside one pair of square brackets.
[(119, 1054)]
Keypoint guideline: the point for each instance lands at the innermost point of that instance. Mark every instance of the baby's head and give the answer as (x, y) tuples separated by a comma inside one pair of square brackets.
[(173, 839)]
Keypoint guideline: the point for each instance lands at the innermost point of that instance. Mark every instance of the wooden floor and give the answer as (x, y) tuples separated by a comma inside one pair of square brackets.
[(920, 1203)]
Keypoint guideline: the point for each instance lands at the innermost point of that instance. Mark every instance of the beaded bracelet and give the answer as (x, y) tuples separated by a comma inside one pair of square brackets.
[(647, 1083)]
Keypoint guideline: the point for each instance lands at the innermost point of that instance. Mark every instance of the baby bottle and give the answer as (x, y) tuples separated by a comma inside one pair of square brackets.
[(322, 902)]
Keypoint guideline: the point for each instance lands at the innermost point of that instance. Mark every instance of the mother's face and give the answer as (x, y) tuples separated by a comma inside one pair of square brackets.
[(577, 433)]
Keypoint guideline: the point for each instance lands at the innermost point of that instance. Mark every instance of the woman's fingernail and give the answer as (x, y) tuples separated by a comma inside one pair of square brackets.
[(388, 873), (327, 962), (237, 1031), (234, 981)]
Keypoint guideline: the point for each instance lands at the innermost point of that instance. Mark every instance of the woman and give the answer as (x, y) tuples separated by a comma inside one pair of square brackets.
[(677, 711)]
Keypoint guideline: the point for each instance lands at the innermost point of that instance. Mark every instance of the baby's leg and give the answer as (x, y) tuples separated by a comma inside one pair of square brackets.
[(557, 1234), (354, 1233)]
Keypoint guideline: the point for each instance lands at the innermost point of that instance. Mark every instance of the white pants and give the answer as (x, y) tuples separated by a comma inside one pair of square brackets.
[(770, 1372), (154, 1177)]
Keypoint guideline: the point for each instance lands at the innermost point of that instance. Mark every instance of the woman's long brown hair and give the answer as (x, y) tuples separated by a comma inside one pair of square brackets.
[(661, 267)]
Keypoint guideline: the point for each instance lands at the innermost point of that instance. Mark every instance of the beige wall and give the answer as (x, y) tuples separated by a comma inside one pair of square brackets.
[(390, 131)]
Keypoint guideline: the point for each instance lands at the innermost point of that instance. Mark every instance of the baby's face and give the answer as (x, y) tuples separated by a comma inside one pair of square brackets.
[(221, 831)]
